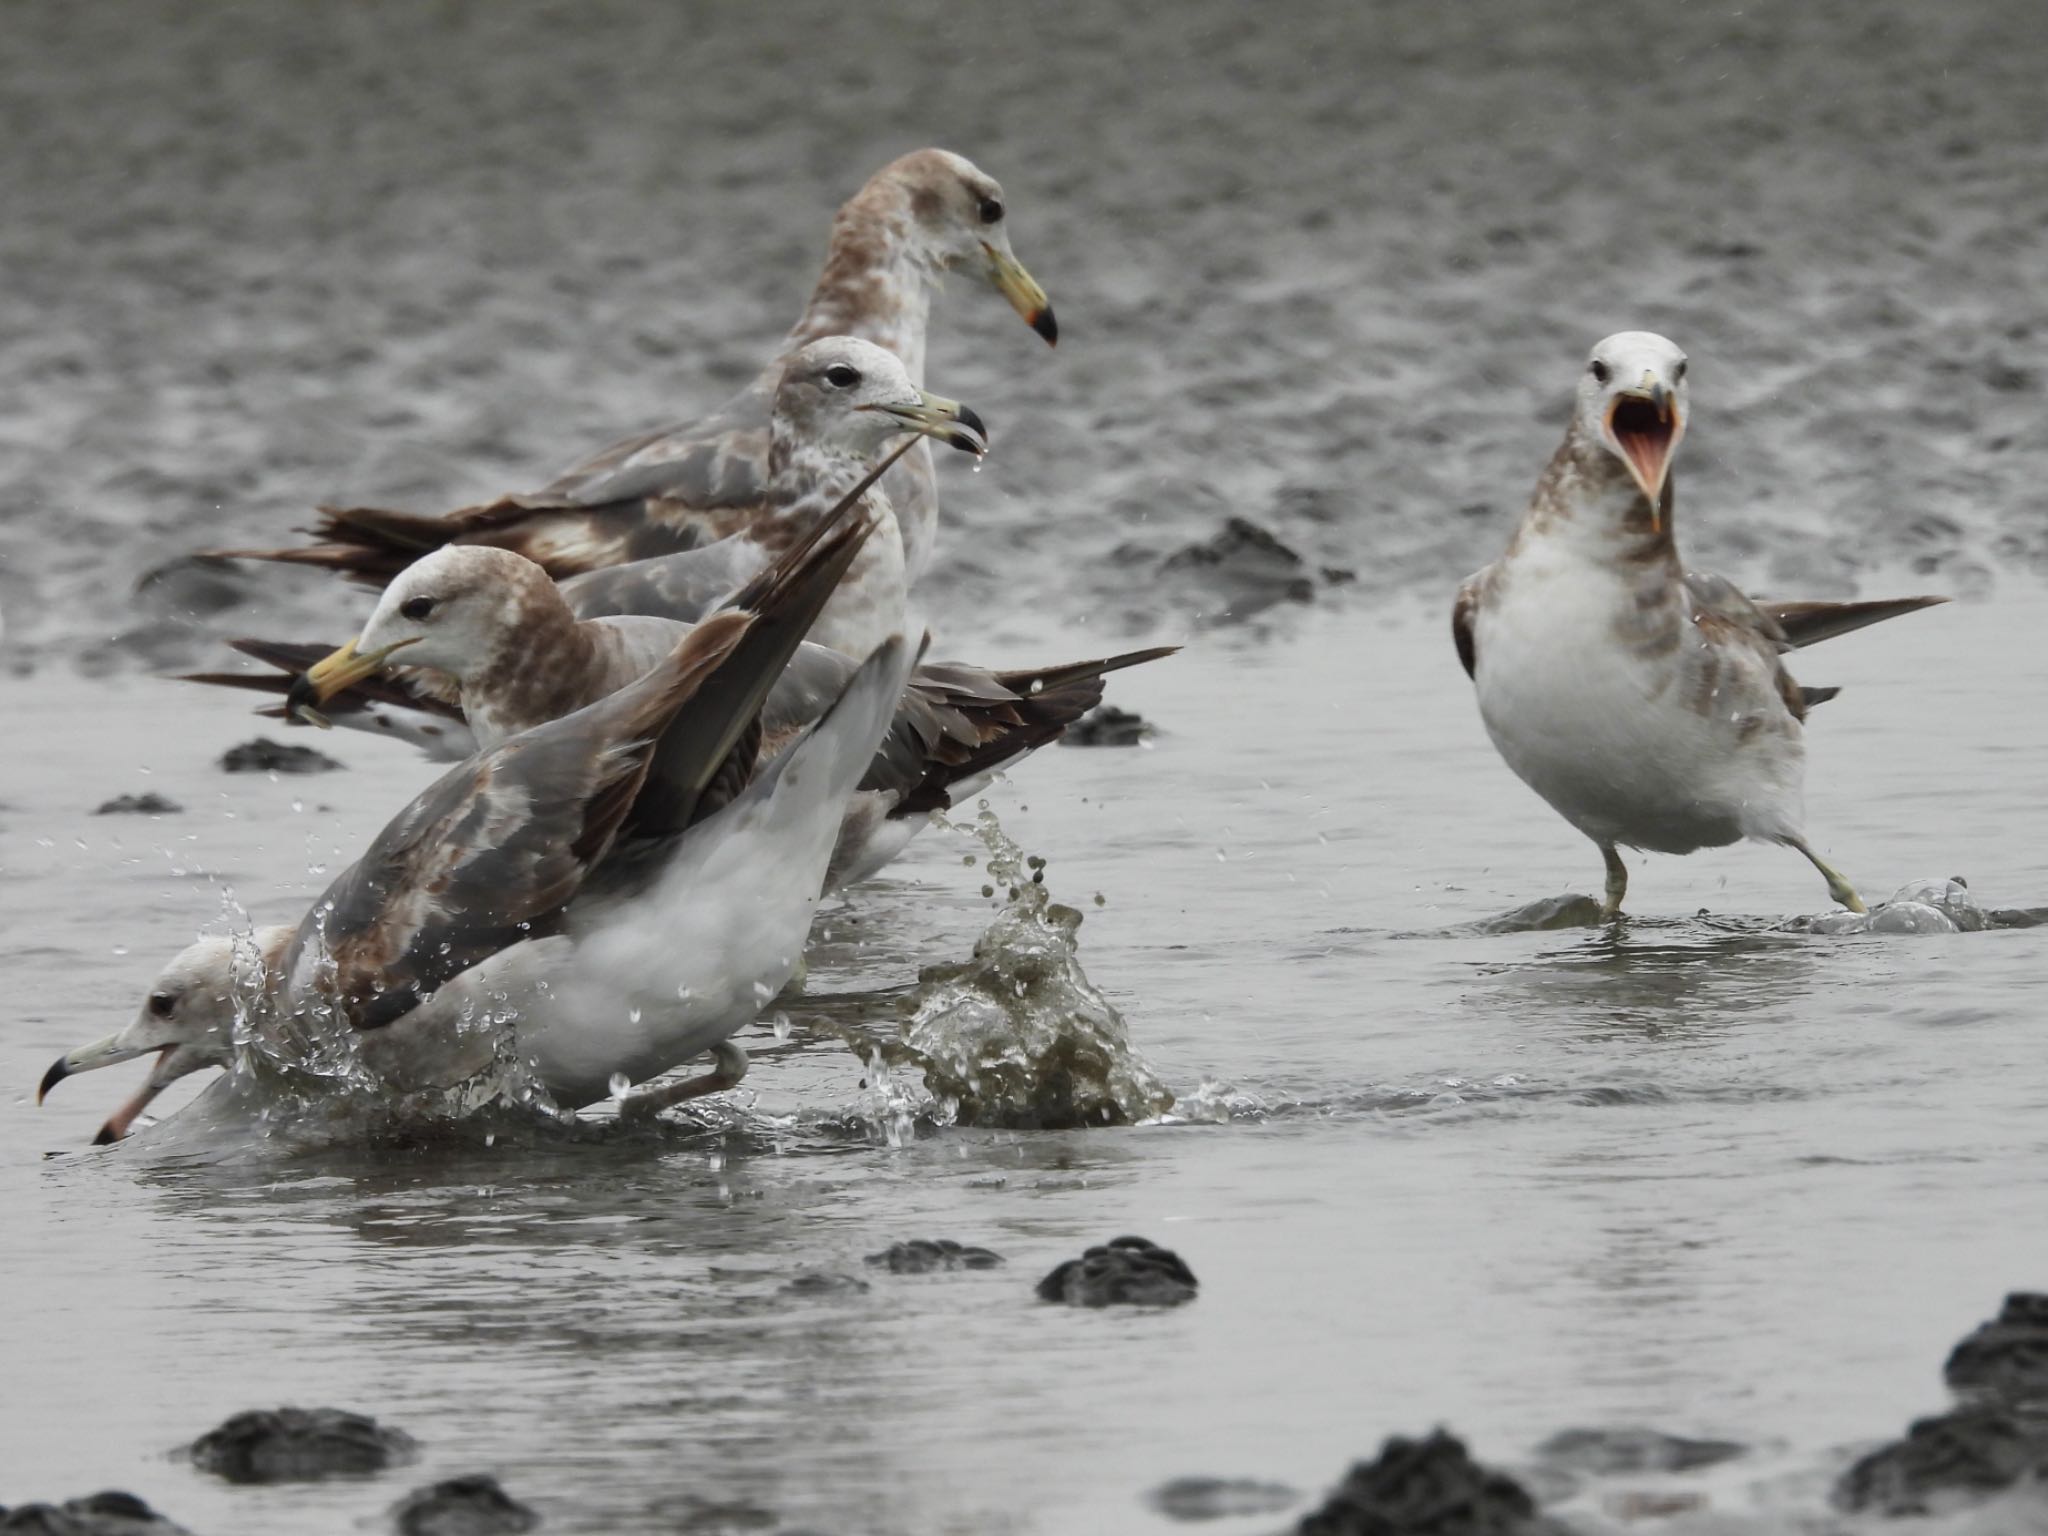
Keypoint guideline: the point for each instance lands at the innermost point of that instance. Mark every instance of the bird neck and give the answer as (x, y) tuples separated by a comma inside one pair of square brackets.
[(878, 279), (1586, 495), (540, 670)]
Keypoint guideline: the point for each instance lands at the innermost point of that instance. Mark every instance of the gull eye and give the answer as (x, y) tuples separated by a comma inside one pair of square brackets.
[(1678, 373), (416, 608), (1600, 371), (991, 210), (840, 376), (162, 1004)]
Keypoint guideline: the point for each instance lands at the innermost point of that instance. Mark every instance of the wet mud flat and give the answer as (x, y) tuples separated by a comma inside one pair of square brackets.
[(1330, 275)]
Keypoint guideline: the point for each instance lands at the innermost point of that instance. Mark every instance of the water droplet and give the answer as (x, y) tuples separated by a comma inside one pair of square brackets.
[(620, 1084), (298, 805), (633, 1014)]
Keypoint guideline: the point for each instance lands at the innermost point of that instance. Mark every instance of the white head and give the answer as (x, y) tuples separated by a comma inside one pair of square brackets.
[(454, 610), (1632, 401), (851, 397), (960, 218), (188, 1019)]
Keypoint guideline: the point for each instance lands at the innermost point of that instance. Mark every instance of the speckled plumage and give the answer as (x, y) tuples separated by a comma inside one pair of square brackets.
[(604, 883), (1648, 705), (688, 484)]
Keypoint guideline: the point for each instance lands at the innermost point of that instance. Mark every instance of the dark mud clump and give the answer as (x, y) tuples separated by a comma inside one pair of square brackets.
[(1128, 1271), (1947, 1462), (2006, 1359), (1219, 1498), (279, 1445), (1428, 1487), (1239, 572), (1998, 1438), (924, 1256), (1628, 1450), (463, 1506), (262, 755), (1108, 726), (99, 1514), (151, 804)]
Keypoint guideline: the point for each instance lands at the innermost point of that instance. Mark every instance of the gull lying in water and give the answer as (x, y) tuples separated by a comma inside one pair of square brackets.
[(1648, 704), (918, 218), (622, 888)]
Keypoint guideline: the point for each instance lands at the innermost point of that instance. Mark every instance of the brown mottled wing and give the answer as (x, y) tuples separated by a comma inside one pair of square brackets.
[(1718, 599), (656, 494), (720, 461), (706, 757), (1462, 613), (491, 851), (686, 585)]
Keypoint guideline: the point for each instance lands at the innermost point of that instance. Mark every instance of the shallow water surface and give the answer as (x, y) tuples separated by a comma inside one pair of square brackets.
[(1697, 1172)]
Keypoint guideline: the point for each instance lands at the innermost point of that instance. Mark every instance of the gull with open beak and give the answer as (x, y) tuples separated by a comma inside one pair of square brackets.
[(919, 217), (1648, 704), (606, 895), (188, 1021)]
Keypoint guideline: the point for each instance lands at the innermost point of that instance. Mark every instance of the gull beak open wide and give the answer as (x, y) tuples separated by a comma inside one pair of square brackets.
[(331, 674), (1645, 425), (1023, 292), (948, 420), (172, 1062)]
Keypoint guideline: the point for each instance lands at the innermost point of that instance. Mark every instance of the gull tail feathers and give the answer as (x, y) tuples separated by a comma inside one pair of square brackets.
[(405, 704), (960, 725), (1809, 623), (373, 544)]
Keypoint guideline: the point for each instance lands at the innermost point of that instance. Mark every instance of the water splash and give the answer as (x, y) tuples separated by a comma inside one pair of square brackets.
[(1018, 1036), (1921, 906)]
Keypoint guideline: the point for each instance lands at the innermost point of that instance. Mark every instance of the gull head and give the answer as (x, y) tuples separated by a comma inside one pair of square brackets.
[(1632, 402), (851, 396), (188, 1020), (453, 610), (961, 219)]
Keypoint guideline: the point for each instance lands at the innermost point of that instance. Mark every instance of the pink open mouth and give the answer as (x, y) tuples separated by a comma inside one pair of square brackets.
[(1646, 431)]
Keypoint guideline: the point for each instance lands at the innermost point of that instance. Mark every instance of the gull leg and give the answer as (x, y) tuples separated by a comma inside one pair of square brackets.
[(728, 1066), (1617, 883), (1840, 889)]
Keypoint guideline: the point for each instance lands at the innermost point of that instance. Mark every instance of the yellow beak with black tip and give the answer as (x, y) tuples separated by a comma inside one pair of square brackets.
[(334, 673), (949, 421), (1023, 292)]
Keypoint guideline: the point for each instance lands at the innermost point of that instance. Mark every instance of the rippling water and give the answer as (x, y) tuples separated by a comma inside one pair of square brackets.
[(1702, 1174)]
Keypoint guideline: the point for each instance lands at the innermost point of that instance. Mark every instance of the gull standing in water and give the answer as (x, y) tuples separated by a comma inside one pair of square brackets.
[(621, 889), (916, 219), (1646, 703)]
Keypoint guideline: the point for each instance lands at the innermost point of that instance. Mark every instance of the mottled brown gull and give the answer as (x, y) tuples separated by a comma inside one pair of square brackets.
[(491, 648), (916, 219), (620, 889), (1647, 704)]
